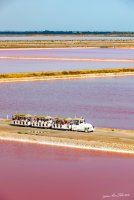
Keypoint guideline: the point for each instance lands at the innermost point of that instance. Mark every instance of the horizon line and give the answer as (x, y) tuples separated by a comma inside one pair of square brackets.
[(67, 32)]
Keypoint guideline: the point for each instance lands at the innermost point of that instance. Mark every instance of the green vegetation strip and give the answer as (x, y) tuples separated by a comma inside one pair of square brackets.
[(65, 73)]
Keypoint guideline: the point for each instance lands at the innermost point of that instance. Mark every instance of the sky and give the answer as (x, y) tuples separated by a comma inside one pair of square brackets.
[(67, 15)]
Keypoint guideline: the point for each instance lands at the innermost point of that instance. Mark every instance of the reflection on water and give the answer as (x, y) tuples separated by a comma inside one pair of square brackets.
[(103, 102), (46, 172)]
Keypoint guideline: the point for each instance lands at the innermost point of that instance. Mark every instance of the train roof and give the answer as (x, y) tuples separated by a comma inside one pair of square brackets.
[(62, 118), (42, 117), (68, 119), (78, 118), (22, 115), (47, 117)]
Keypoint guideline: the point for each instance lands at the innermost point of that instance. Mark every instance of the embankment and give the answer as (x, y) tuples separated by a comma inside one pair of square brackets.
[(12, 44), (77, 74), (103, 139)]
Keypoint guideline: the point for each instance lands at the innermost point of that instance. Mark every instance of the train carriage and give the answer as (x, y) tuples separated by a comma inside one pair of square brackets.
[(42, 121), (62, 124), (21, 119)]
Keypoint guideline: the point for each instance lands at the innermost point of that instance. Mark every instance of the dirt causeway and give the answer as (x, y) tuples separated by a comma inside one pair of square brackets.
[(102, 139)]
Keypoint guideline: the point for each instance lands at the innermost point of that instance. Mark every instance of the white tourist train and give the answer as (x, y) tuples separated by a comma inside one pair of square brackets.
[(72, 124)]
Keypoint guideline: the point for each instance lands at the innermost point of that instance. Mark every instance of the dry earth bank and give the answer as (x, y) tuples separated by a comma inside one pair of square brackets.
[(4, 44), (103, 139)]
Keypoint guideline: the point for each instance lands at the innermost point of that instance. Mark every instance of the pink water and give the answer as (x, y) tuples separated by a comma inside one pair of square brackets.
[(72, 53), (45, 172), (34, 60), (40, 172), (105, 102), (63, 37), (20, 65)]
